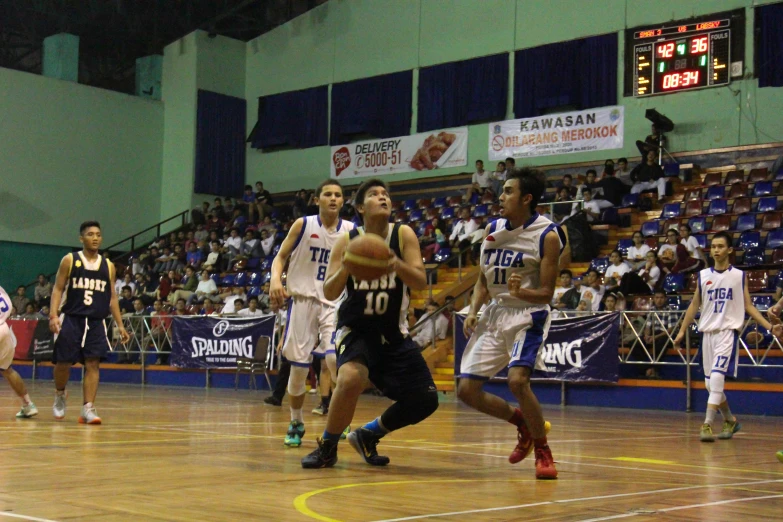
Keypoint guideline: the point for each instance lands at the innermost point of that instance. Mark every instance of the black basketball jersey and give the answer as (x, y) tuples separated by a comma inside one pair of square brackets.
[(89, 291), (378, 307)]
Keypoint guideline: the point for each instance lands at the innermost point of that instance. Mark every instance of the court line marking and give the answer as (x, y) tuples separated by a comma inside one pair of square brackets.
[(583, 499), (689, 506), (25, 517)]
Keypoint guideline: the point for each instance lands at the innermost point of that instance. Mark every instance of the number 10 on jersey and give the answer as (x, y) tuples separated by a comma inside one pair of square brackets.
[(377, 303)]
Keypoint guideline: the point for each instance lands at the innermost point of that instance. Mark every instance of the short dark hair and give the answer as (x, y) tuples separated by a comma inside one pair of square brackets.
[(248, 187), (511, 160), (587, 191), (88, 224), (597, 273), (616, 252), (218, 199), (190, 267), (531, 181), (674, 231), (622, 160), (569, 176), (589, 171), (251, 299), (181, 299), (326, 183), (367, 185), (726, 236), (20, 286), (127, 287), (567, 271), (686, 227), (480, 161), (660, 291), (238, 301)]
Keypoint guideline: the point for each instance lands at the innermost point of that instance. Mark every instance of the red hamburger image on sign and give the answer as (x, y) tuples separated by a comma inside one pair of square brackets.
[(341, 160)]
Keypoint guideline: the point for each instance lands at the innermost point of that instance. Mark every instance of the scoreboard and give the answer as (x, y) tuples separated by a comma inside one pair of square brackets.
[(681, 56)]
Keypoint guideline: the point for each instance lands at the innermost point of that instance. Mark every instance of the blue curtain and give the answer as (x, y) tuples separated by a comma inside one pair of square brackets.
[(458, 93), (582, 73), (220, 144), (298, 119), (769, 45), (379, 106)]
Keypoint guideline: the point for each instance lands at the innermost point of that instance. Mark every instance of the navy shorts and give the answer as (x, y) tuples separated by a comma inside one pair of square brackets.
[(398, 369), (80, 338)]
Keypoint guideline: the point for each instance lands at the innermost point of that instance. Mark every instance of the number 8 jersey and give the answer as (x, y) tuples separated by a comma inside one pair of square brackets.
[(506, 251), (378, 307)]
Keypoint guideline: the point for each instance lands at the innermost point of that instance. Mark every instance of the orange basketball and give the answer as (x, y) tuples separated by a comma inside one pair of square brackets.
[(367, 257)]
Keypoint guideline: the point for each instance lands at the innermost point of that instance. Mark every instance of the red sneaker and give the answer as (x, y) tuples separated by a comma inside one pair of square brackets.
[(524, 445), (545, 464)]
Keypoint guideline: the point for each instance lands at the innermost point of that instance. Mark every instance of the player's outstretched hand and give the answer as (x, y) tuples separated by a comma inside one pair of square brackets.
[(514, 283), (469, 326), (124, 335), (680, 337), (777, 331), (773, 314), (54, 325)]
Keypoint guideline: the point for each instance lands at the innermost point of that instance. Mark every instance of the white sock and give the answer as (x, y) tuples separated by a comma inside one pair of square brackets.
[(26, 399), (296, 415), (710, 415), (87, 405)]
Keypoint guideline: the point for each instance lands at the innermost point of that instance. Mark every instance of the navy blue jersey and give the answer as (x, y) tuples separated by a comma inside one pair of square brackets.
[(89, 291), (379, 307)]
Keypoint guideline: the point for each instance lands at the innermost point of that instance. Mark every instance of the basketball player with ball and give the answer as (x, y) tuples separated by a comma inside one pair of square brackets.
[(310, 326), (723, 299), (375, 265)]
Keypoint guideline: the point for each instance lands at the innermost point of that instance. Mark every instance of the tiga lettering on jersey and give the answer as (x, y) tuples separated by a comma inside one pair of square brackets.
[(504, 258)]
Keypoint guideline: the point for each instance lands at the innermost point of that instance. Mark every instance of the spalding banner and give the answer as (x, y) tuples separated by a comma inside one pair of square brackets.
[(582, 349), (213, 342)]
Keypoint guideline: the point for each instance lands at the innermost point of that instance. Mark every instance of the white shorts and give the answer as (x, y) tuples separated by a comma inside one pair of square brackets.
[(7, 346), (719, 352), (506, 337), (309, 330)]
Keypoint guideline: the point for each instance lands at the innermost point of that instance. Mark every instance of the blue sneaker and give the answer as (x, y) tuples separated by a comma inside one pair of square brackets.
[(729, 429), (293, 438), (365, 443)]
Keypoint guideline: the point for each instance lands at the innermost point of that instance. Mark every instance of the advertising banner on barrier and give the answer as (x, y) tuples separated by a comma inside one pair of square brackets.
[(425, 151), (582, 349), (213, 342), (563, 133), (33, 339)]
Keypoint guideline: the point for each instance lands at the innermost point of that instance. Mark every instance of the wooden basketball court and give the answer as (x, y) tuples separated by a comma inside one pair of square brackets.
[(194, 454)]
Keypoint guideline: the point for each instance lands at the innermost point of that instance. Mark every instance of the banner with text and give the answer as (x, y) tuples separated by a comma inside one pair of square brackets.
[(564, 133), (583, 349), (207, 342), (34, 341), (426, 151)]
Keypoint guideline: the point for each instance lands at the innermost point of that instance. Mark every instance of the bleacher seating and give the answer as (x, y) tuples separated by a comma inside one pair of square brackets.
[(718, 206)]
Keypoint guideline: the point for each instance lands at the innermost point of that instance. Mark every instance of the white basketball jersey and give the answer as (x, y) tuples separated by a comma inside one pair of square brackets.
[(5, 306), (505, 252), (722, 299), (310, 257)]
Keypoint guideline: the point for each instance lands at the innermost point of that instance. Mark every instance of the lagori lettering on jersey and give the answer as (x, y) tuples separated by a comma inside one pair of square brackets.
[(385, 282), (87, 283)]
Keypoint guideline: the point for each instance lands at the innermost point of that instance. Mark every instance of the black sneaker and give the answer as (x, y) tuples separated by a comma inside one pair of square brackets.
[(274, 401), (365, 443), (325, 456)]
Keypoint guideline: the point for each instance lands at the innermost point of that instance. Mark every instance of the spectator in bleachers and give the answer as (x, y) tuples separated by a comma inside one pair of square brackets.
[(562, 210), (593, 290), (194, 256), (237, 293), (608, 170), (499, 178), (267, 243), (251, 246), (430, 331), (661, 323), (164, 287), (147, 289), (585, 305), (591, 207), (644, 281), (237, 305), (264, 202), (610, 303), (205, 291), (252, 309), (249, 203), (462, 230), (667, 253), (616, 270), (637, 254), (623, 173), (232, 246), (180, 308), (43, 313), (238, 220), (263, 297), (29, 312), (591, 184), (685, 263), (565, 285), (218, 210), (201, 233), (126, 300), (185, 290), (214, 259), (208, 309), (691, 243), (568, 182), (214, 223), (159, 326), (613, 189), (43, 290), (126, 280), (648, 176), (480, 182), (299, 207), (162, 261), (268, 225), (228, 207), (651, 142)]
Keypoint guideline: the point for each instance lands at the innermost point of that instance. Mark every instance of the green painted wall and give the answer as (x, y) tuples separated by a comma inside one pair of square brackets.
[(22, 262), (347, 39), (69, 153)]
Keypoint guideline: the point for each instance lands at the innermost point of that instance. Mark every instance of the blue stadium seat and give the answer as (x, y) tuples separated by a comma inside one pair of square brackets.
[(675, 302), (610, 216), (215, 278), (670, 210), (650, 228), (442, 255), (448, 213), (762, 188), (439, 202), (600, 264), (674, 283), (254, 291), (767, 204), (474, 198), (671, 170), (492, 219), (254, 279), (228, 280), (416, 214), (775, 239), (715, 192), (630, 200), (275, 250), (480, 211), (750, 239), (421, 228), (623, 245), (266, 263), (241, 279), (697, 224), (280, 236), (253, 263), (753, 257), (746, 222), (266, 277), (762, 302), (779, 175), (409, 204), (718, 206), (702, 239)]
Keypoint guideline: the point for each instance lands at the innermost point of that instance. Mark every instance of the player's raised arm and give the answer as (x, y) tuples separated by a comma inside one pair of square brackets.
[(114, 305), (277, 293), (550, 265), (63, 272), (690, 315), (336, 273), (411, 268), (752, 311)]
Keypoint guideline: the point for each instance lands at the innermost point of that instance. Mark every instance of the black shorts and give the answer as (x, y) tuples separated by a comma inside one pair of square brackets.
[(80, 338), (397, 369)]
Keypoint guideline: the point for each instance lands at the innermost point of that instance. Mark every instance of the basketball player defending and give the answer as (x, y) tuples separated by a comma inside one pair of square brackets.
[(86, 280), (520, 259), (774, 317), (7, 348), (373, 344), (307, 249), (723, 298)]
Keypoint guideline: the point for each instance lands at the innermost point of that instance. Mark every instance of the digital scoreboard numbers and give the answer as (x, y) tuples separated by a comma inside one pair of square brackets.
[(682, 57)]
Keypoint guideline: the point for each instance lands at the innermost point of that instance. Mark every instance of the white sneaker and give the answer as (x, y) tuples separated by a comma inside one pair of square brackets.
[(89, 416), (59, 405), (27, 411)]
